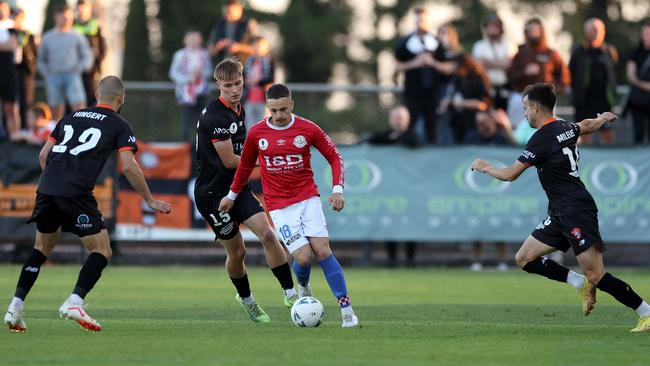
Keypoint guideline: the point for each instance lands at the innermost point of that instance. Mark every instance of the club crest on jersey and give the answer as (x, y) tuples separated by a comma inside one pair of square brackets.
[(233, 128), (299, 141), (576, 232), (263, 144)]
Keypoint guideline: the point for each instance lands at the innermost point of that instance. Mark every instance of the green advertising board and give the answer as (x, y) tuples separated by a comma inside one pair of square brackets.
[(429, 194)]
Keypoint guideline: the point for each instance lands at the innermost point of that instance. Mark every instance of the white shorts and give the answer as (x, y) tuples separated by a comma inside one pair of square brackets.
[(299, 221)]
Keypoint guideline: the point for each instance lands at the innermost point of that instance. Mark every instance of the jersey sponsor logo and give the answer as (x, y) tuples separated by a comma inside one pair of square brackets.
[(565, 136), (263, 144), (220, 131), (528, 155), (299, 141), (83, 222), (233, 128), (283, 161), (91, 115)]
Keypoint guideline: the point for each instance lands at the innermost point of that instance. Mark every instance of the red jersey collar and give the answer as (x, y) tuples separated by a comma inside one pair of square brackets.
[(236, 108), (105, 106), (550, 120)]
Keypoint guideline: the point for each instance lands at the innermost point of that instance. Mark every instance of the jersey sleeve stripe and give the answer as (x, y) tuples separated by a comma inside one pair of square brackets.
[(52, 139), (126, 148), (217, 140)]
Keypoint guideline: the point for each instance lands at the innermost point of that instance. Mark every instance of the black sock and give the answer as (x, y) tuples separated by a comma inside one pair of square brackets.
[(29, 273), (283, 274), (547, 268), (89, 274), (242, 286), (620, 290)]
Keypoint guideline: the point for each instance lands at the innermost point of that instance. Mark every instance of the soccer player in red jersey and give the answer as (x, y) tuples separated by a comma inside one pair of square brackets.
[(282, 145)]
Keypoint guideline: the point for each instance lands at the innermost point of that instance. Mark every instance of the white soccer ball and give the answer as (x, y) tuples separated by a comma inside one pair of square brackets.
[(307, 312)]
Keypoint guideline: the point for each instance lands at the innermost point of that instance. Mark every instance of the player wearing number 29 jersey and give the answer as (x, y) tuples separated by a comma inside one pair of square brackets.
[(572, 220), (72, 159), (83, 142)]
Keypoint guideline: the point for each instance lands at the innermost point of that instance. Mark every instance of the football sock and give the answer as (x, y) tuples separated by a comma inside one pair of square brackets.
[(90, 273), (242, 285), (302, 273), (334, 276), (17, 302), (75, 299), (620, 290), (29, 273), (283, 274), (643, 309), (575, 279), (547, 268)]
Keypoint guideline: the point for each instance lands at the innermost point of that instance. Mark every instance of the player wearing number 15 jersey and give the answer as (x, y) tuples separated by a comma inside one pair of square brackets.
[(72, 159), (572, 220), (282, 145)]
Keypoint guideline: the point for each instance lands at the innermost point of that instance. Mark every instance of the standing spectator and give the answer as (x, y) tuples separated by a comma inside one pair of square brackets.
[(88, 26), (415, 56), (260, 72), (638, 75), (535, 62), (469, 94), (8, 74), (451, 53), (62, 57), (26, 64), (398, 120), (495, 54), (593, 78), (190, 70), (232, 34)]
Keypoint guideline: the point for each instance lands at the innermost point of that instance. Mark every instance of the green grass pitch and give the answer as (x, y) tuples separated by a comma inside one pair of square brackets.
[(188, 316)]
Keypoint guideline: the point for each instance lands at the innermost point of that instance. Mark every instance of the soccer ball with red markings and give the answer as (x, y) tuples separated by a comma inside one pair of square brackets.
[(307, 312)]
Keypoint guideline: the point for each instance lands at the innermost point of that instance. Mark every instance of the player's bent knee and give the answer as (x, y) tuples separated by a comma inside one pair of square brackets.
[(522, 259)]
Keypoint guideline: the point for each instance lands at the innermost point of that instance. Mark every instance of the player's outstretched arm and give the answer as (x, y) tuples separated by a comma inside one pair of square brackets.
[(42, 156), (507, 174), (592, 125), (134, 175)]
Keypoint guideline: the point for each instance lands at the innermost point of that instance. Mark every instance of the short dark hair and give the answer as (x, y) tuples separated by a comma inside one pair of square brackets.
[(543, 94), (61, 8), (277, 91)]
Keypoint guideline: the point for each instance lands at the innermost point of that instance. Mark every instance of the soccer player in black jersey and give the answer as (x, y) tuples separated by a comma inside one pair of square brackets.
[(573, 219), (72, 159), (219, 141)]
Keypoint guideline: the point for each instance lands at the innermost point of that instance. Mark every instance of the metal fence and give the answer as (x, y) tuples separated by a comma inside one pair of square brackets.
[(344, 111)]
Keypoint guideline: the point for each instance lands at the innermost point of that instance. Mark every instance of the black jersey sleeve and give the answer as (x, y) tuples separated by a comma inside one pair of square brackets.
[(55, 135), (536, 149), (126, 138), (576, 129)]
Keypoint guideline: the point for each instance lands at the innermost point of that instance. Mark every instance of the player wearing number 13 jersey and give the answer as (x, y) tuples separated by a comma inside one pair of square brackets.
[(72, 160), (281, 144), (572, 220)]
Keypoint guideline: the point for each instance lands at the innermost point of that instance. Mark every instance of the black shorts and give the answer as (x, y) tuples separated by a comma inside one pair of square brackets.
[(79, 215), (226, 225), (578, 231)]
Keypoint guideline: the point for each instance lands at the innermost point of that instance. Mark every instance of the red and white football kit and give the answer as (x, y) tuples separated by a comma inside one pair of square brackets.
[(287, 178)]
